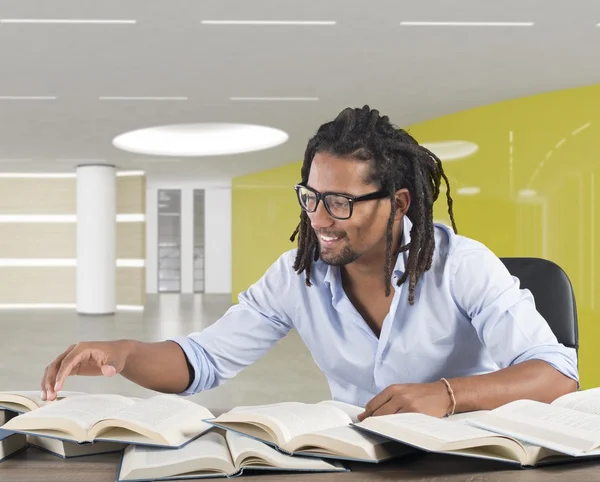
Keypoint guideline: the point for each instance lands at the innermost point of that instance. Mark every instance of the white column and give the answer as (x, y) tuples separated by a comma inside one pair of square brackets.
[(187, 240), (96, 239), (152, 240), (217, 242)]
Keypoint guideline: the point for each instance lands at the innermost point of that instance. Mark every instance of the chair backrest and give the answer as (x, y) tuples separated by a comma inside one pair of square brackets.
[(553, 295)]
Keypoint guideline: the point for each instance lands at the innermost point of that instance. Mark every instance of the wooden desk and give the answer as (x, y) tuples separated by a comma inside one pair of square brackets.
[(33, 465)]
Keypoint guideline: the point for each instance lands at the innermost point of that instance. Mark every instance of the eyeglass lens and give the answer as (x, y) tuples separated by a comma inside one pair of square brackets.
[(338, 206)]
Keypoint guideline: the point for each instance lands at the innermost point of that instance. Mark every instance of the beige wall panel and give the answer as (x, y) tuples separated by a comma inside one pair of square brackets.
[(58, 240), (131, 195), (37, 285), (37, 240), (131, 240), (37, 196), (57, 285), (131, 286)]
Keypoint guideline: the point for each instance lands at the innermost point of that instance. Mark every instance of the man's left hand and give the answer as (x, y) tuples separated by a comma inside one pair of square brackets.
[(428, 398)]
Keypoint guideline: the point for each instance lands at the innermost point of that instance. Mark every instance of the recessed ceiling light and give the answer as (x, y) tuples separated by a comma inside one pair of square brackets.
[(268, 22), (130, 173), (581, 129), (468, 191), (141, 98), (153, 161), (452, 150), (527, 193), (275, 99), (66, 21), (78, 162), (27, 97), (467, 24), (209, 139)]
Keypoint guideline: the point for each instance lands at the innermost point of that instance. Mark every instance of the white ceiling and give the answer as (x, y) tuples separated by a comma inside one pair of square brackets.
[(409, 73)]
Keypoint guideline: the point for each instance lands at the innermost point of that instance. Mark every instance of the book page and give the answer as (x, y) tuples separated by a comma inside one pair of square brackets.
[(550, 426), (293, 419), (26, 400), (172, 416), (21, 400), (587, 401), (82, 410), (442, 430), (208, 453), (347, 442), (250, 453), (465, 417), (353, 411)]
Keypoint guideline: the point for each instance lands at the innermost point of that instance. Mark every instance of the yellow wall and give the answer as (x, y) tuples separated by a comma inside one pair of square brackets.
[(554, 151), (264, 216)]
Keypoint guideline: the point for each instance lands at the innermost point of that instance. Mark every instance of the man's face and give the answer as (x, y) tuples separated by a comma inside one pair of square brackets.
[(362, 235)]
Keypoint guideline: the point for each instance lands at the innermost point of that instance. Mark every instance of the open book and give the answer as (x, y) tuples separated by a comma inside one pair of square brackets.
[(569, 425), (162, 420), (455, 435), (25, 401), (323, 429), (11, 443), (214, 454)]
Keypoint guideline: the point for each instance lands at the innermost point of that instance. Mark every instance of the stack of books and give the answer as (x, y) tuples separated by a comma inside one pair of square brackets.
[(167, 437)]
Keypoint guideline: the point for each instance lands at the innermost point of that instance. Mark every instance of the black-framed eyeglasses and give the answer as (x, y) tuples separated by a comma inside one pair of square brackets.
[(339, 206)]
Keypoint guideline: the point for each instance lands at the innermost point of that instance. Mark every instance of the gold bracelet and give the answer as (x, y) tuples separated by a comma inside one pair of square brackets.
[(451, 393)]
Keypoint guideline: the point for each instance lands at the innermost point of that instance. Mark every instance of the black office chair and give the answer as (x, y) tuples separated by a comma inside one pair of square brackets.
[(553, 295)]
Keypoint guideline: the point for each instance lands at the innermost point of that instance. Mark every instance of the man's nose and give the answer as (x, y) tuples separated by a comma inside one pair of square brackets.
[(320, 218)]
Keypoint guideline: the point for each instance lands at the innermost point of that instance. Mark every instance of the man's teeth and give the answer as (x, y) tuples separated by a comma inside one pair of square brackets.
[(327, 238)]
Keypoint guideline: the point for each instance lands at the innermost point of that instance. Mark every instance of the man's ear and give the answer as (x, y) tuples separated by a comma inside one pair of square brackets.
[(402, 202)]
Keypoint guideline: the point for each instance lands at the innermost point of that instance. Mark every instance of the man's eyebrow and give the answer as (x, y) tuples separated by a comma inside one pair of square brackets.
[(333, 192)]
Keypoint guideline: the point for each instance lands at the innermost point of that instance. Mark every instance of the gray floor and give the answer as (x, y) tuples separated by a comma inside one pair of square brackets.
[(32, 338)]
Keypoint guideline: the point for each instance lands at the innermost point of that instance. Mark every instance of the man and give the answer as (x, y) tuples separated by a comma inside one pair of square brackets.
[(399, 314)]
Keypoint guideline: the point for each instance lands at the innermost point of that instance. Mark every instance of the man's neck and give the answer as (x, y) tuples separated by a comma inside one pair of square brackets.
[(367, 271), (366, 274)]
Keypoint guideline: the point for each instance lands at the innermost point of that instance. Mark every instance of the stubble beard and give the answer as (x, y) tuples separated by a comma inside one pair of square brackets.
[(338, 258)]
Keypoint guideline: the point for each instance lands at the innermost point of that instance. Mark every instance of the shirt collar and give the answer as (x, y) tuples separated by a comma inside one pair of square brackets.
[(403, 257), (333, 277)]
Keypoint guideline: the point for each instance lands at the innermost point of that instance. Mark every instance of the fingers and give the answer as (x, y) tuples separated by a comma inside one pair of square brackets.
[(393, 406), (85, 359), (108, 370), (49, 377), (72, 359), (375, 403)]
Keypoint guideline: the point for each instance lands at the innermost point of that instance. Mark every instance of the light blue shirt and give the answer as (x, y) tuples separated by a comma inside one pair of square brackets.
[(470, 317)]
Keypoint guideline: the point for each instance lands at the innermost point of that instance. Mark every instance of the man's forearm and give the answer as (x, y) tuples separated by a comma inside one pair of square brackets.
[(534, 380), (158, 366)]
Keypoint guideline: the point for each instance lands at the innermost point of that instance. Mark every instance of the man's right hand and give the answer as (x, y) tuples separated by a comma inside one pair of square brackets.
[(86, 359)]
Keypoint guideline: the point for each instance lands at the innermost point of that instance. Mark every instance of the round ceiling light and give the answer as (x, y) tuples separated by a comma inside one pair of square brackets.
[(452, 150), (527, 193), (207, 139), (469, 191)]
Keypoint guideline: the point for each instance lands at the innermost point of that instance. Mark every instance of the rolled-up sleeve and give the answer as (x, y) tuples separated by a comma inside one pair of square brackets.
[(504, 315), (244, 333)]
